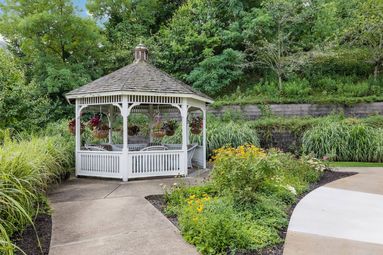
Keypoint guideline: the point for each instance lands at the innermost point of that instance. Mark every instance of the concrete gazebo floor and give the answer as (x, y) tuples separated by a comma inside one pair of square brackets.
[(96, 216)]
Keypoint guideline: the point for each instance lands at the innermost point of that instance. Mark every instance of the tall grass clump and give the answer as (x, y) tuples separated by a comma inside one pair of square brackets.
[(219, 134), (27, 167), (344, 141)]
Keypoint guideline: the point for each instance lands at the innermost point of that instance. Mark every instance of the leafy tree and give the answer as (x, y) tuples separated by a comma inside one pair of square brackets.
[(20, 106), (59, 49), (198, 30), (366, 31), (272, 40), (218, 74), (128, 22)]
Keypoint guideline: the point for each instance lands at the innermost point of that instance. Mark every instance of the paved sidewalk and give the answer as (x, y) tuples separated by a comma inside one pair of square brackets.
[(344, 217), (97, 217)]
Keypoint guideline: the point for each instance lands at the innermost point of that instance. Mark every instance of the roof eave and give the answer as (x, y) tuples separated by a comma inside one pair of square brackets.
[(70, 97)]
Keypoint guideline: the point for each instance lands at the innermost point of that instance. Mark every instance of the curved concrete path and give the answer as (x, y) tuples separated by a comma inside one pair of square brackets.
[(103, 217), (344, 217)]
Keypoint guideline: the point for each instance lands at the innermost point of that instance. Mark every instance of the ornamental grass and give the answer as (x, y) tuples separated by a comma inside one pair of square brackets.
[(344, 141), (27, 167)]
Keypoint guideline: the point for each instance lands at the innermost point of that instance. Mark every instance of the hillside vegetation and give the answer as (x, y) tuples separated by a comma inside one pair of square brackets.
[(237, 51)]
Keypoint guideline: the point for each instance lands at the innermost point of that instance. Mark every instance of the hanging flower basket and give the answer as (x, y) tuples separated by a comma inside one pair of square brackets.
[(196, 125), (101, 132), (170, 127), (95, 121), (72, 127), (159, 133), (133, 130), (196, 131)]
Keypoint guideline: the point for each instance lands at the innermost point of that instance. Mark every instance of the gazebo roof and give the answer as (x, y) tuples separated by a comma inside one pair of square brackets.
[(136, 78)]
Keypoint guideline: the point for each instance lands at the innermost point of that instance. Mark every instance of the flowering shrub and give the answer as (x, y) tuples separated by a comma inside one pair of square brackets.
[(240, 171), (245, 203)]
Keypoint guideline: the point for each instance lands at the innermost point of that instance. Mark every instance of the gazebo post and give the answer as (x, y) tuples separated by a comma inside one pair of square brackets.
[(78, 135), (184, 115), (204, 144), (125, 150)]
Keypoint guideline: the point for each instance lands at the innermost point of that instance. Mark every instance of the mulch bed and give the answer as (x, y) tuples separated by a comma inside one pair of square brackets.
[(158, 201), (27, 240)]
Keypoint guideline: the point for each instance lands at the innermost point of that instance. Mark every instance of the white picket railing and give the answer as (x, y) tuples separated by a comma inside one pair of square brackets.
[(155, 163), (99, 163)]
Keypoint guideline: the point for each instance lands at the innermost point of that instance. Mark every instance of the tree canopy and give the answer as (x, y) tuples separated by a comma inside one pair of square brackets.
[(218, 46)]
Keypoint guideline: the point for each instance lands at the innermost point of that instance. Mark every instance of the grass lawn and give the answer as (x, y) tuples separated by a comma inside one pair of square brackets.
[(355, 164)]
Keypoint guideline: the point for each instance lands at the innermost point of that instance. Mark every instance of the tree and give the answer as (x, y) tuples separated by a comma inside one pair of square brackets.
[(129, 22), (60, 50), (366, 31), (20, 106), (198, 30), (271, 35), (218, 74)]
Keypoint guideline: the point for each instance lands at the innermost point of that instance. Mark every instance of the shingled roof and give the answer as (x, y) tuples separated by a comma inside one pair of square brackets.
[(140, 76)]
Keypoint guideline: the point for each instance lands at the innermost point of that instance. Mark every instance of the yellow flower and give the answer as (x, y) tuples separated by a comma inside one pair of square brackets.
[(192, 197), (200, 208)]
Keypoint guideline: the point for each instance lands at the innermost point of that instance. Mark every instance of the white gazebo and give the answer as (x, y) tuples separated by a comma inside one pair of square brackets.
[(139, 88)]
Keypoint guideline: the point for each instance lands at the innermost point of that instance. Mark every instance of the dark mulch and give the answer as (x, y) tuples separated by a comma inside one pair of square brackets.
[(27, 240), (159, 202)]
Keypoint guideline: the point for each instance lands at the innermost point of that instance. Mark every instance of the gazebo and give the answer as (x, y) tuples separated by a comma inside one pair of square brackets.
[(139, 88)]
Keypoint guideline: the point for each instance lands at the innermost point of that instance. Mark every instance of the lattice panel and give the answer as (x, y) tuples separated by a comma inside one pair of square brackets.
[(101, 100)]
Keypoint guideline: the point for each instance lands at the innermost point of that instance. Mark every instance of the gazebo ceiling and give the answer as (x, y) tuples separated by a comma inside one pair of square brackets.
[(138, 77)]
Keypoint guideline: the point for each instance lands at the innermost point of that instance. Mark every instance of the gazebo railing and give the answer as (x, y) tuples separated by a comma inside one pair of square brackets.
[(155, 163), (99, 163), (140, 163)]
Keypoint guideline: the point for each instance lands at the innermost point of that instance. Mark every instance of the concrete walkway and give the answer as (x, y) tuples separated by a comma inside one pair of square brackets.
[(344, 217), (98, 217)]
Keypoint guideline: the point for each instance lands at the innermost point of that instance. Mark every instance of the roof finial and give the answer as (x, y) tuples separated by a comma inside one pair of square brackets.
[(140, 53)]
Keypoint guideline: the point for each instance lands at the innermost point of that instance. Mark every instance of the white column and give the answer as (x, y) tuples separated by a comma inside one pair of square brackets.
[(204, 143), (187, 129), (124, 158), (78, 136), (184, 114)]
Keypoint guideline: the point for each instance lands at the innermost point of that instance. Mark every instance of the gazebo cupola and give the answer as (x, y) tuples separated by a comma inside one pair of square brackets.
[(138, 88)]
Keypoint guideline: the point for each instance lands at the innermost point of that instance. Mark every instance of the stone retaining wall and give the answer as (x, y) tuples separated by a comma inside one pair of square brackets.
[(255, 111)]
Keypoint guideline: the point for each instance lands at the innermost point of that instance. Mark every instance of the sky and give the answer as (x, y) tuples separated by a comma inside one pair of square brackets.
[(79, 3)]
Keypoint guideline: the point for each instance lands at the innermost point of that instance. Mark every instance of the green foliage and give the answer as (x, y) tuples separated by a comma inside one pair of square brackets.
[(20, 105), (213, 218), (366, 31), (219, 134), (323, 90), (197, 31), (27, 167), (59, 50), (344, 142), (239, 173), (218, 73)]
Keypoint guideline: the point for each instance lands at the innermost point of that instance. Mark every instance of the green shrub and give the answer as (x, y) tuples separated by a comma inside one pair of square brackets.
[(240, 172), (344, 142), (219, 228), (244, 206), (218, 74), (297, 88), (27, 167), (220, 134)]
